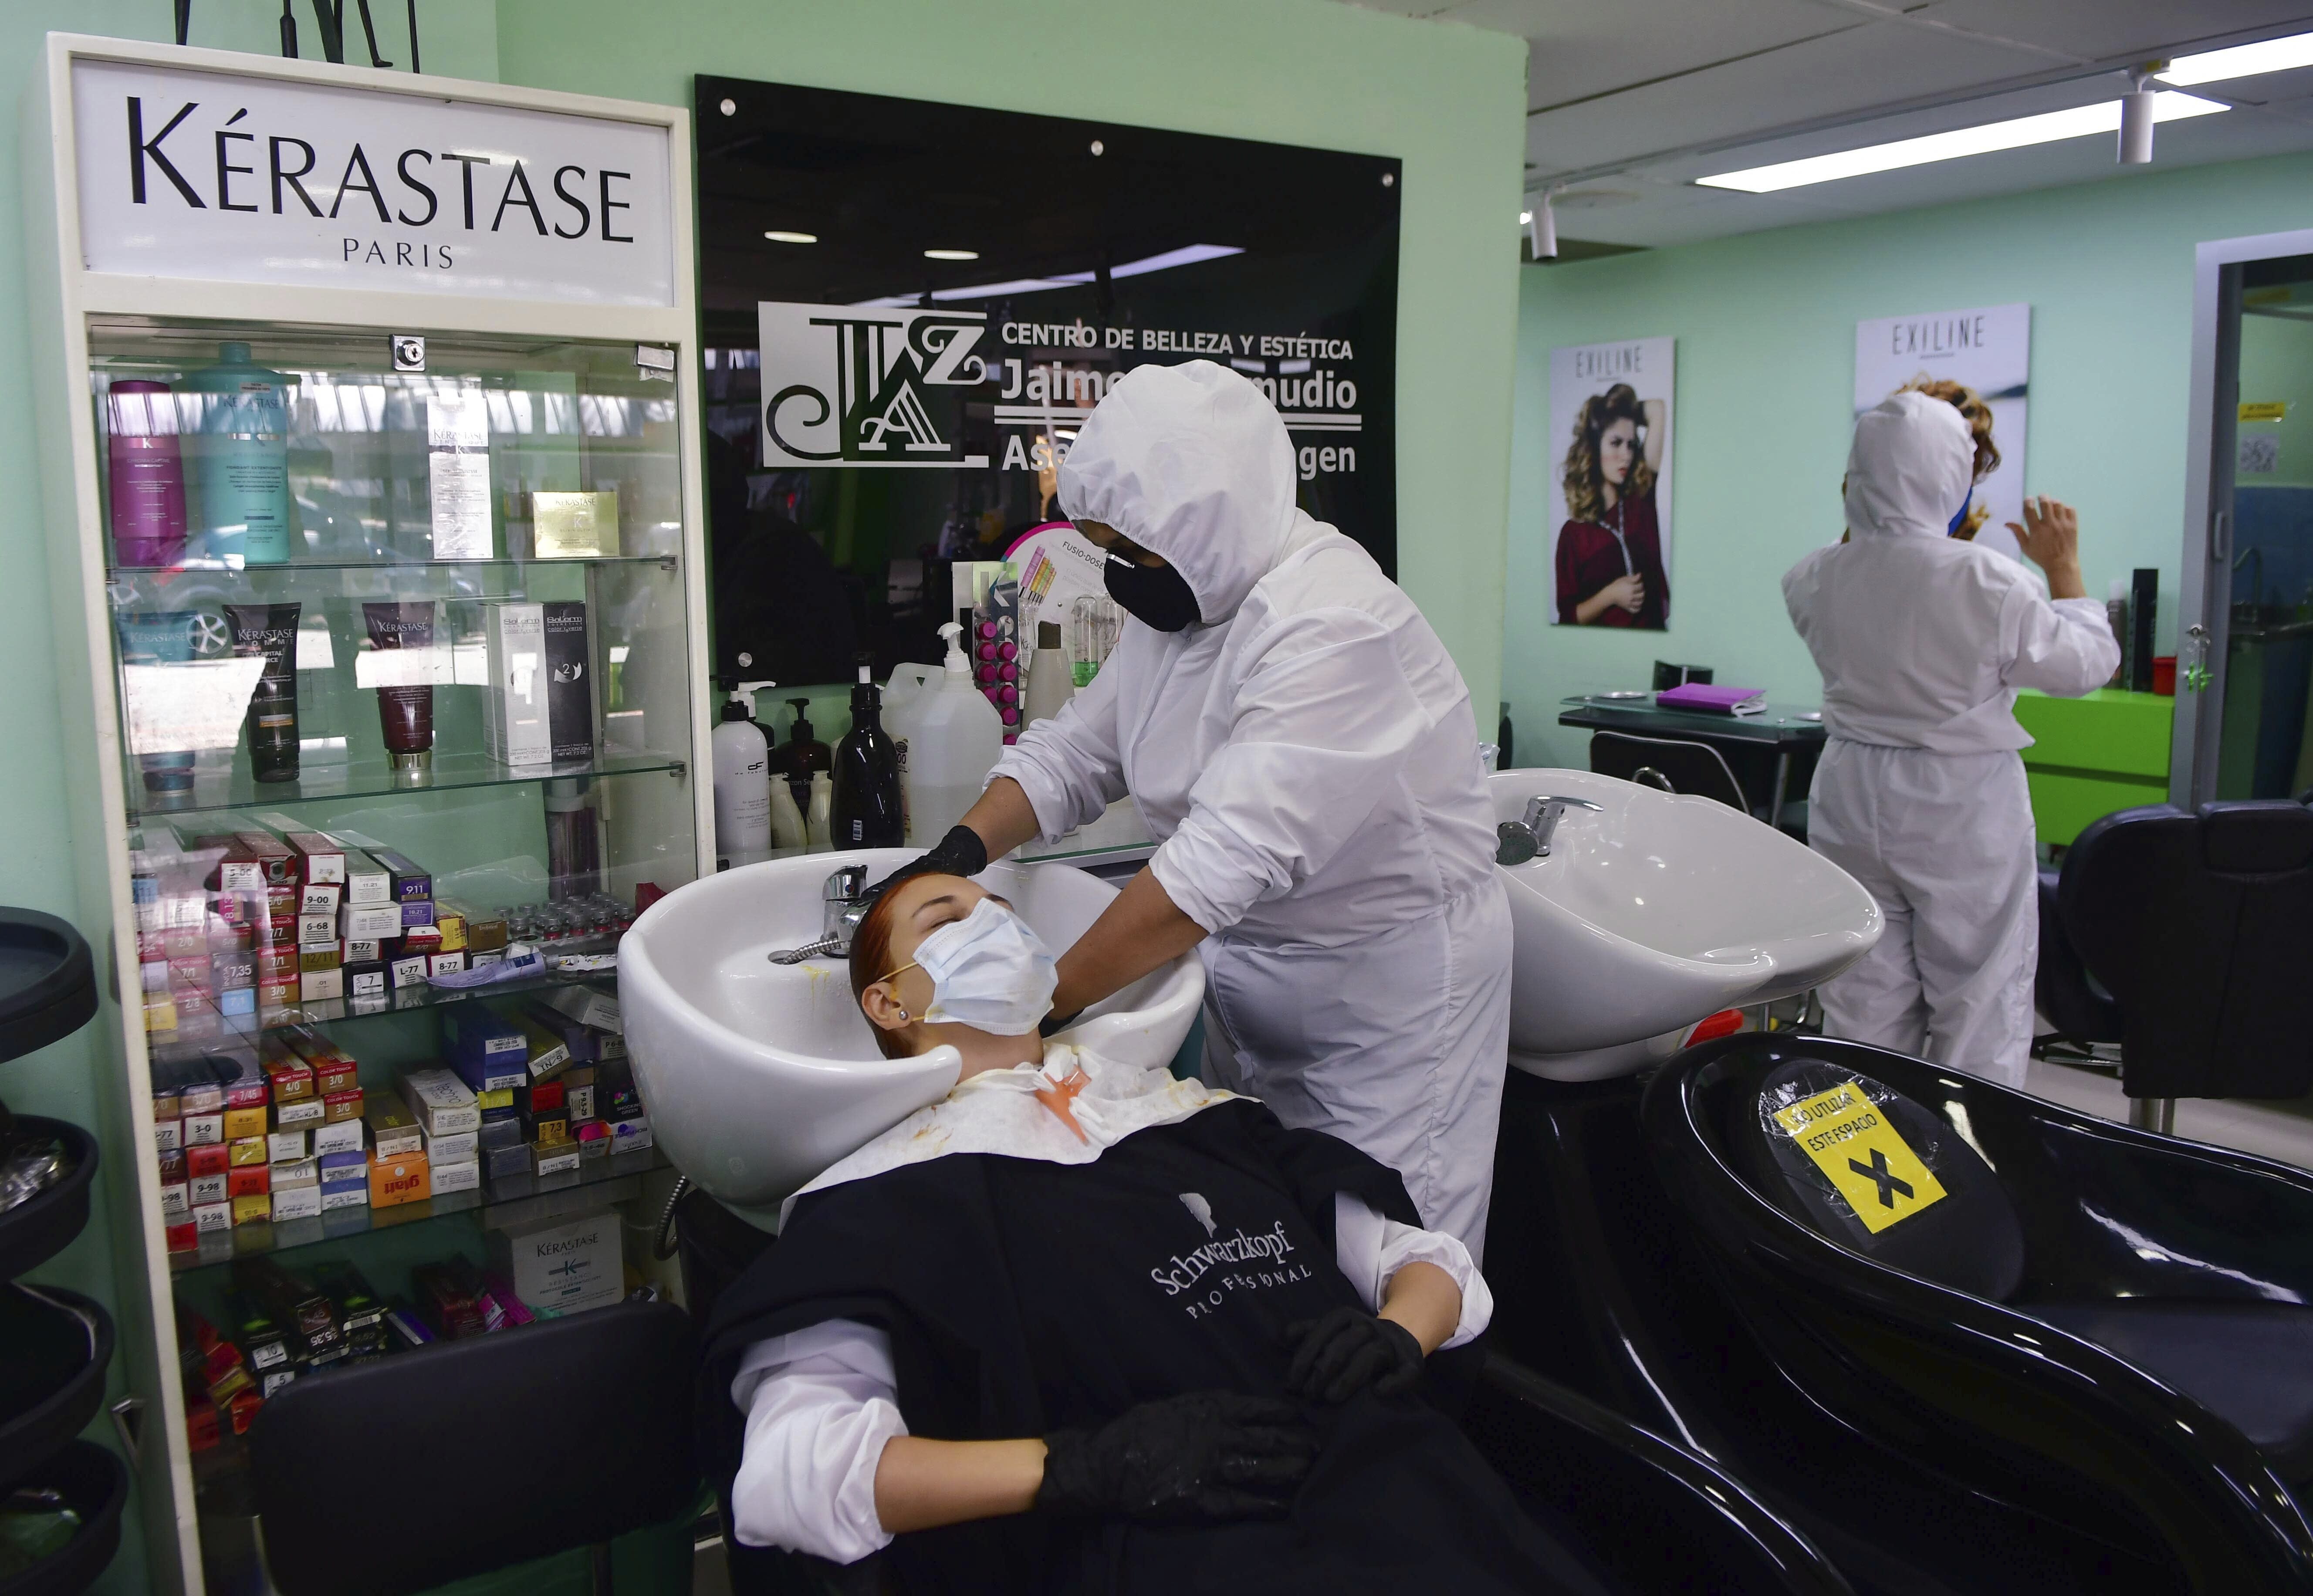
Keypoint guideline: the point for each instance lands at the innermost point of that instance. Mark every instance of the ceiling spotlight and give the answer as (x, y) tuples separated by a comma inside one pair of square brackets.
[(951, 254), (1542, 229), (780, 235)]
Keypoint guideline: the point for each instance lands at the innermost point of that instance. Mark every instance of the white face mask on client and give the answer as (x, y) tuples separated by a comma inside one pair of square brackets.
[(989, 971)]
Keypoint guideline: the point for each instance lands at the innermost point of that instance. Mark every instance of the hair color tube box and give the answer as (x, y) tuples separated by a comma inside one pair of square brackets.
[(320, 897), (457, 1178), (278, 864), (210, 1160), (514, 704), (206, 1190), (349, 1167), (411, 882), (316, 985), (205, 1130), (501, 1128), (440, 1102), (320, 859), (362, 951), (370, 921), (345, 1137), (407, 972), (416, 912), (366, 979), (392, 1127), (213, 1216), (297, 1202), (282, 1147), (241, 1154), (569, 686), (367, 882), (254, 1210), (555, 1159), (254, 1181), (241, 1124), (176, 1200), (296, 1172), (393, 1181), (445, 963), (458, 1147), (334, 1198)]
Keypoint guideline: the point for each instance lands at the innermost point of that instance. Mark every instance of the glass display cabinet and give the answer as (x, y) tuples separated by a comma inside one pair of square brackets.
[(381, 637)]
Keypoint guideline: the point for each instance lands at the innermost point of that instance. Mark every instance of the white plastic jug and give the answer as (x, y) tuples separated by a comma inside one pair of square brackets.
[(908, 683), (954, 737)]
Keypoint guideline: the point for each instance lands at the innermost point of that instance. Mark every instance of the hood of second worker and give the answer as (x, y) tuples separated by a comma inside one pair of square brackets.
[(1911, 467), (1193, 462)]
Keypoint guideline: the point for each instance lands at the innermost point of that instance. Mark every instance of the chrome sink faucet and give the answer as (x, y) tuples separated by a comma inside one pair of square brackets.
[(1519, 841), (843, 903)]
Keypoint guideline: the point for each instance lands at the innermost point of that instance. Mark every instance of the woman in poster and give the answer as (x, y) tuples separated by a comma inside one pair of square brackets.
[(1609, 565)]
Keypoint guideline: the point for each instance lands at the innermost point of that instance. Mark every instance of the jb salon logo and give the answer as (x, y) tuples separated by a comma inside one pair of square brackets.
[(846, 385)]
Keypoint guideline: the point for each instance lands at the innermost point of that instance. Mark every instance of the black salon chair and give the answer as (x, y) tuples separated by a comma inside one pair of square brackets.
[(2103, 1328), (414, 1470), (2200, 926), (2069, 998)]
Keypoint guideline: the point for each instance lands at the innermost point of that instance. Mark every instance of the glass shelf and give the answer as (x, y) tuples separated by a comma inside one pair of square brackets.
[(362, 777), (380, 563), (168, 1045), (616, 1177)]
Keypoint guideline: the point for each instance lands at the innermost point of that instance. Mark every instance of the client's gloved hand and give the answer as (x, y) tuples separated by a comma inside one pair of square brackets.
[(961, 852), (1196, 1459), (1348, 1351)]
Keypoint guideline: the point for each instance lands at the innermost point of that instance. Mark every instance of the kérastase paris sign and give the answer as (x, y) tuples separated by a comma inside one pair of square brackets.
[(252, 180)]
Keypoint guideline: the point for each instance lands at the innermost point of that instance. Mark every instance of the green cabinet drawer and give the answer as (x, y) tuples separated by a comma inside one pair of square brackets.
[(2064, 802), (2109, 731)]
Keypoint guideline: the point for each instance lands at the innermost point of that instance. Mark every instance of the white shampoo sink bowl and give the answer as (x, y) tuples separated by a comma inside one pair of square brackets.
[(1655, 910), (757, 1076)]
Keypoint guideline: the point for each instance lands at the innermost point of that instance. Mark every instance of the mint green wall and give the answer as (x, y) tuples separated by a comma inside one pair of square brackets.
[(1765, 326), (1448, 101)]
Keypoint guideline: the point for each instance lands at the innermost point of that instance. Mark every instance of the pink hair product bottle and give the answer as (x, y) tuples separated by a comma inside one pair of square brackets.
[(146, 472)]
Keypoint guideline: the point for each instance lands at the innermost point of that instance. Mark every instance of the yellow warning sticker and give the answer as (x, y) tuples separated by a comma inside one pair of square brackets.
[(1870, 1164), (2262, 409)]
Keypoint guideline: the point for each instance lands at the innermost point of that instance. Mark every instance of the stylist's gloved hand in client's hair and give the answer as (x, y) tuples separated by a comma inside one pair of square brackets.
[(1348, 1351), (961, 852), (1202, 1458)]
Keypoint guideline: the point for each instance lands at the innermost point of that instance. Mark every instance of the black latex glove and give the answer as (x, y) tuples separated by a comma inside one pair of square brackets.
[(1202, 1458), (1348, 1351), (961, 852)]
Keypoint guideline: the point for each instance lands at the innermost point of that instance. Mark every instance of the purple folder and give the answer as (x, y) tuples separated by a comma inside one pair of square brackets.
[(1712, 699)]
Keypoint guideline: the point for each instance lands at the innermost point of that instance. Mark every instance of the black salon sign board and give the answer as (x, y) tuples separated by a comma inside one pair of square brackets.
[(909, 308)]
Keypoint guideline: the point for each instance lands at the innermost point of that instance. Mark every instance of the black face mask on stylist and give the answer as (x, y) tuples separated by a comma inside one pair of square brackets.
[(1155, 596)]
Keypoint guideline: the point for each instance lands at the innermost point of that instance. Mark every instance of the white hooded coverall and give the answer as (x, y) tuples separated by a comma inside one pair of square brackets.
[(1922, 640), (1307, 760)]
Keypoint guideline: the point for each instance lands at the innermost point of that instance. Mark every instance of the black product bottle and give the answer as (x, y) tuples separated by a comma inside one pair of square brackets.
[(865, 810), (800, 757), (1507, 760)]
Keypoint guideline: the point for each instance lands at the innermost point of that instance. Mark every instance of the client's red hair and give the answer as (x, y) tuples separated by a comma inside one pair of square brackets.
[(871, 961)]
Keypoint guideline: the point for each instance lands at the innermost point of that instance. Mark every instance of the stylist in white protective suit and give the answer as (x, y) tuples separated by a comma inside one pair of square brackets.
[(1301, 746), (1922, 640)]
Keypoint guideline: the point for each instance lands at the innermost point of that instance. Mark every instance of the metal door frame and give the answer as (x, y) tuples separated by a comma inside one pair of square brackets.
[(2204, 568)]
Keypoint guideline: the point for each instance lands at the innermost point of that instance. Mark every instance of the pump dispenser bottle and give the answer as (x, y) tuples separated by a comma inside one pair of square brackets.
[(788, 833), (802, 756), (866, 797), (742, 782), (954, 740)]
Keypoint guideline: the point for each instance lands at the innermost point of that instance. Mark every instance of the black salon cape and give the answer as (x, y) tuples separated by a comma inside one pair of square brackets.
[(1023, 1296)]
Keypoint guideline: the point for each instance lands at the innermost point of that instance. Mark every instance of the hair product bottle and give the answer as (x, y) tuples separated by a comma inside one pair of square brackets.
[(574, 840), (866, 799), (271, 630), (1050, 685), (742, 782), (161, 637), (822, 806), (405, 713), (955, 739), (242, 477), (802, 756), (145, 473)]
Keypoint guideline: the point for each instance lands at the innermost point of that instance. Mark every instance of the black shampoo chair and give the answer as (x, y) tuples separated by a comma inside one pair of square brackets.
[(2104, 1329), (469, 1456), (2200, 927)]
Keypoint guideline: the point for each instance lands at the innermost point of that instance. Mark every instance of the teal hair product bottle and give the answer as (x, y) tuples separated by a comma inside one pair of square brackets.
[(241, 488)]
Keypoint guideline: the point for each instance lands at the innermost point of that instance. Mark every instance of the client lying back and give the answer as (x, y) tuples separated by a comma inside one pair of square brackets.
[(1083, 1327)]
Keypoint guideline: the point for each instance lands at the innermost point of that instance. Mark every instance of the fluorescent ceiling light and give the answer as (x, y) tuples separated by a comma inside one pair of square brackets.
[(951, 254), (2242, 61), (2014, 134), (779, 235), (1187, 255)]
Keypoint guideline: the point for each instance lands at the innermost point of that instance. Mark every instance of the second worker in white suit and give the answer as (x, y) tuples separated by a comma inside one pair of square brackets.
[(1922, 639), (1302, 747)]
